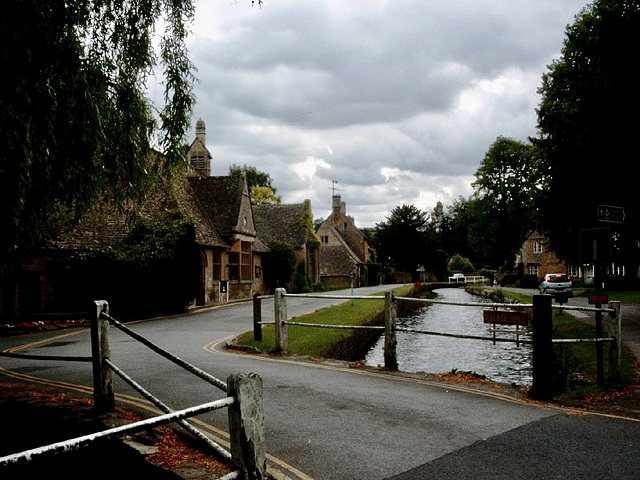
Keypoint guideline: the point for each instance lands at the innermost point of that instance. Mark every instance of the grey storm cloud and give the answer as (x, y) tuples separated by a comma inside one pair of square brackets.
[(396, 101)]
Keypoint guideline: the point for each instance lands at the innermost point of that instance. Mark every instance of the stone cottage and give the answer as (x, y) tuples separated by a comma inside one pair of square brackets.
[(344, 249), (219, 208), (291, 224)]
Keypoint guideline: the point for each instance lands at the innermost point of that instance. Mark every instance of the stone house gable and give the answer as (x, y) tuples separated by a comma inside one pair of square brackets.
[(538, 259), (337, 261), (339, 234)]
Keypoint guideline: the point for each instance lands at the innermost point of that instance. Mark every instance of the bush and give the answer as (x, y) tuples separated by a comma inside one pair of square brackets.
[(529, 281)]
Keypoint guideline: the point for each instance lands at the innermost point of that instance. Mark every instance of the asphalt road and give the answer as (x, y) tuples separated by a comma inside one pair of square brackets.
[(327, 421)]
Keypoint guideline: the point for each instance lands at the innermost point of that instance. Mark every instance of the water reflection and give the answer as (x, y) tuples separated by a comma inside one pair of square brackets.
[(502, 362)]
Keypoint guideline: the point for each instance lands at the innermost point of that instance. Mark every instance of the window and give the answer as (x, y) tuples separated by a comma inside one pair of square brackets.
[(537, 246), (233, 266), (534, 270), (198, 162), (324, 238), (216, 264), (245, 261)]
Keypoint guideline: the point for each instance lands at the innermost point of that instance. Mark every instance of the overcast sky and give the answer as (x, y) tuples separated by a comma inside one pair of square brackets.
[(396, 101)]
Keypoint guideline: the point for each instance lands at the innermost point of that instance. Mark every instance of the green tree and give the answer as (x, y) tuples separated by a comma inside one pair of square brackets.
[(589, 99), (506, 186), (401, 239), (281, 263), (452, 226), (75, 120), (260, 187)]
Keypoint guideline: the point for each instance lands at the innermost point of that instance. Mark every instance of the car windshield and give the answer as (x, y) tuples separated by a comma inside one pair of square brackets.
[(558, 277)]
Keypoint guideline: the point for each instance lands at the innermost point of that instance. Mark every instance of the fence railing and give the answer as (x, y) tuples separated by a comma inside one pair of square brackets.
[(541, 330), (244, 401), (465, 279)]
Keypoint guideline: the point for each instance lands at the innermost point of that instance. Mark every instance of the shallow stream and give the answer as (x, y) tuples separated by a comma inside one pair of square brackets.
[(502, 362)]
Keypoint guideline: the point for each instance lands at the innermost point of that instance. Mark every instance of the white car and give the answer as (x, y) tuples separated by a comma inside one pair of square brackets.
[(557, 283)]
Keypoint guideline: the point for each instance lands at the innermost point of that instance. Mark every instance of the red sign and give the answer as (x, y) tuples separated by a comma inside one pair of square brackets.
[(598, 299), (499, 317)]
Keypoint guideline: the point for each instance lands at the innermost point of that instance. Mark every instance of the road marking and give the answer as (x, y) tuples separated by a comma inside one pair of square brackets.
[(214, 347), (219, 436)]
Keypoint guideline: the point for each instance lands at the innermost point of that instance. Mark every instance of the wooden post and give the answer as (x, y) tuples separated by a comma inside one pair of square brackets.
[(542, 388), (103, 398), (282, 329), (246, 426), (615, 350), (390, 340), (257, 318)]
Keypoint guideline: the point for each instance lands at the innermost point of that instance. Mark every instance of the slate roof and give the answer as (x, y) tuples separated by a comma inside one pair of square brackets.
[(107, 225), (337, 260), (280, 223), (219, 199)]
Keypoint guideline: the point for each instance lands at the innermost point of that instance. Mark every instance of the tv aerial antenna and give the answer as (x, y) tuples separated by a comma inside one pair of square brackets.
[(333, 187)]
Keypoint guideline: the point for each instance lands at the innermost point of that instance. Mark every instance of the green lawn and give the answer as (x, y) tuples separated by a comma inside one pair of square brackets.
[(319, 341)]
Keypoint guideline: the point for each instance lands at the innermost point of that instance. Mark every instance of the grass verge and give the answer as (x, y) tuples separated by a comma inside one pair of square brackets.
[(319, 342), (576, 366)]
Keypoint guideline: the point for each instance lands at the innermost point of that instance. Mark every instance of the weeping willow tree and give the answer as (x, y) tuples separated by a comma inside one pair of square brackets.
[(75, 119)]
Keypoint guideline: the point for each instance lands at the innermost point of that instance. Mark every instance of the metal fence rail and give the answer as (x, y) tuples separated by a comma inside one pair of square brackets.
[(244, 401), (541, 323)]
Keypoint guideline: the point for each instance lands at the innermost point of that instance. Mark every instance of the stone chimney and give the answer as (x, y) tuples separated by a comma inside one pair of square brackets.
[(337, 204), (200, 132)]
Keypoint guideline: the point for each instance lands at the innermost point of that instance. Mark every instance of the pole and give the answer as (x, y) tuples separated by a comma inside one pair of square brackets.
[(246, 426), (282, 329), (542, 388), (615, 349), (599, 356), (103, 397), (257, 318), (390, 340)]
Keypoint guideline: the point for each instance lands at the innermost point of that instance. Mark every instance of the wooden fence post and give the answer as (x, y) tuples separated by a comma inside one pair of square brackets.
[(257, 318), (103, 398), (246, 426), (542, 388), (282, 329), (615, 350), (390, 340)]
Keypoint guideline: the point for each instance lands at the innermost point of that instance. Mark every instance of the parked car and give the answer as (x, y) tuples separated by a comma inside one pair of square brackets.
[(557, 283), (458, 277)]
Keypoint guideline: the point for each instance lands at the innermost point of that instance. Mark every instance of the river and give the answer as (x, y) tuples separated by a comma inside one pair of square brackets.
[(503, 362)]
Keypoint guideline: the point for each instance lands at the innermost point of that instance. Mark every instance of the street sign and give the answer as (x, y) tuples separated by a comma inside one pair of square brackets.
[(598, 299), (500, 317), (610, 214)]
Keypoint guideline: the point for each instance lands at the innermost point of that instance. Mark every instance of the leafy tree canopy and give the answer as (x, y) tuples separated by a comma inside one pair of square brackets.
[(260, 187), (75, 120), (587, 129), (401, 239), (503, 208)]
